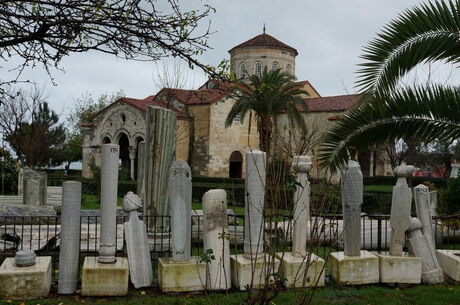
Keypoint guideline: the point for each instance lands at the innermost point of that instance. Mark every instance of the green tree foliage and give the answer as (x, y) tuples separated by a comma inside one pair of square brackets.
[(69, 152), (8, 173), (266, 96), (37, 141), (387, 111)]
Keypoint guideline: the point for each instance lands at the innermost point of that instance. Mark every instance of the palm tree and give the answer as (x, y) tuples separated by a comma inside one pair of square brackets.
[(268, 95), (388, 112)]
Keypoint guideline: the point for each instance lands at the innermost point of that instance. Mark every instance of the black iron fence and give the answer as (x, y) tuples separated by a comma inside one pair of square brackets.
[(41, 234)]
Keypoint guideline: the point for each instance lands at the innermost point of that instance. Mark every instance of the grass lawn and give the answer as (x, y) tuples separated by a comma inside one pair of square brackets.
[(379, 188), (365, 295), (90, 202)]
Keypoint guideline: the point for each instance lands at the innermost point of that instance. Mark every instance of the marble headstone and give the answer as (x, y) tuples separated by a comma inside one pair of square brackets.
[(422, 205), (34, 187)]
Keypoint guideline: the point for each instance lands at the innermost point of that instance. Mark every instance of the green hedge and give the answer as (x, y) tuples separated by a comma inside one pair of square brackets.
[(219, 180), (414, 181)]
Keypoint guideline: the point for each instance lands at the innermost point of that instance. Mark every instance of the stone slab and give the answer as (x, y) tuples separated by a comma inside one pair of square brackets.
[(400, 269), (355, 270), (243, 270), (100, 279), (20, 283), (293, 268), (181, 276), (449, 260)]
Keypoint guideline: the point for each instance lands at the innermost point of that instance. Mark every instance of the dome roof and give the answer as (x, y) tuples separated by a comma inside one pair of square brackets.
[(266, 41)]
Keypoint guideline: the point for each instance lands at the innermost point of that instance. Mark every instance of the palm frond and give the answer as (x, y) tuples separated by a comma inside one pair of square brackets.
[(423, 113)]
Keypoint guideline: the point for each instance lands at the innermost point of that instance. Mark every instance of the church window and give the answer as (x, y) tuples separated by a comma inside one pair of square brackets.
[(288, 68), (123, 117), (258, 69), (242, 70), (237, 118), (275, 66)]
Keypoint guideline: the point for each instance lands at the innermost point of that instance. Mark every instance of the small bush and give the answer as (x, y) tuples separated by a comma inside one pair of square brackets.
[(449, 202)]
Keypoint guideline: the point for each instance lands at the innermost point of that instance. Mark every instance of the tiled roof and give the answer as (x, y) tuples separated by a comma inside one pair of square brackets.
[(194, 97), (264, 40), (331, 103)]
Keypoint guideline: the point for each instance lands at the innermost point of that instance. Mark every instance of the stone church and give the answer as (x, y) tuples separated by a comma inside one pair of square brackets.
[(202, 139)]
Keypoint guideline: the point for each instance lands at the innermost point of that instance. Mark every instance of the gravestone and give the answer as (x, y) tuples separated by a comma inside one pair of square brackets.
[(160, 149), (20, 182), (254, 204), (180, 194), (422, 204), (301, 166), (109, 186), (400, 209), (140, 264), (352, 199), (70, 238), (34, 187), (215, 228), (419, 246), (107, 275), (455, 171)]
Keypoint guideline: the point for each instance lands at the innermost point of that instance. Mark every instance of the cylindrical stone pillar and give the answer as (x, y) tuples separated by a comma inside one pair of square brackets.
[(301, 216), (215, 228), (254, 204), (109, 187), (70, 237), (141, 171)]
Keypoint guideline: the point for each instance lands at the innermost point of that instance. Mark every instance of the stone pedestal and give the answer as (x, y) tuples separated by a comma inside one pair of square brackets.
[(293, 268), (20, 283), (244, 270), (449, 260), (355, 270), (99, 279), (400, 269), (181, 276)]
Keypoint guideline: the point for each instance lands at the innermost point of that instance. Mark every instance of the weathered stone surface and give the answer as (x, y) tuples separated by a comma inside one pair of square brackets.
[(140, 264), (160, 148), (141, 171), (449, 260), (307, 271), (25, 258), (400, 269), (254, 204), (70, 238), (420, 247), (11, 209), (422, 205), (400, 209), (215, 227), (354, 270), (109, 186), (20, 283), (352, 199), (180, 194), (455, 172), (20, 182), (301, 216), (181, 276), (34, 187), (244, 270), (100, 279)]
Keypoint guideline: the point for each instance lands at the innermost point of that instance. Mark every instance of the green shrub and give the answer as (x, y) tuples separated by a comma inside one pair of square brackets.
[(449, 199)]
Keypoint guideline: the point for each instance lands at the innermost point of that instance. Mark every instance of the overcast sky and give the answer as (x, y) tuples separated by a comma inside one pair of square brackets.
[(328, 34)]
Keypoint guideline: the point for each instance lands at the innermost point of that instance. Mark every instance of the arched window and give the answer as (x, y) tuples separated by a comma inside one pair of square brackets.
[(242, 70), (275, 65), (288, 68), (258, 68)]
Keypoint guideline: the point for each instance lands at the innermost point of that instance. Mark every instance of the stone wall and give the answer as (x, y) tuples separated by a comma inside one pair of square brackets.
[(249, 56), (199, 140)]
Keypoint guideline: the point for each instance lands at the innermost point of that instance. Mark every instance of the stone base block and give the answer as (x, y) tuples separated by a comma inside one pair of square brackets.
[(400, 269), (449, 260), (104, 279), (244, 270), (292, 270), (181, 276), (355, 270), (20, 283)]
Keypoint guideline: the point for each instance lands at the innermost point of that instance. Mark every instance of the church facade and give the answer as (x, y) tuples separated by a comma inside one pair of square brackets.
[(202, 139)]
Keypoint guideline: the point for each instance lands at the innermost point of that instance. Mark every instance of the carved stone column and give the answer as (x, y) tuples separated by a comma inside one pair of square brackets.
[(132, 157)]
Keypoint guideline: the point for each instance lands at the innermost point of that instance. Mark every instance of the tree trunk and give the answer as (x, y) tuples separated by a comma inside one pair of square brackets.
[(265, 129)]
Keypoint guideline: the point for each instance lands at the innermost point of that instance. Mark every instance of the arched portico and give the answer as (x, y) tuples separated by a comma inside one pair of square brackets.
[(235, 165)]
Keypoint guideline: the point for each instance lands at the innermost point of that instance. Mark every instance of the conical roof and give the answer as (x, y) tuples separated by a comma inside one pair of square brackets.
[(266, 41)]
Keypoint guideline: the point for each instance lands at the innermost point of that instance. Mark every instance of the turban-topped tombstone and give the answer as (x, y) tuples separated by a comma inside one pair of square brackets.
[(300, 268), (353, 266)]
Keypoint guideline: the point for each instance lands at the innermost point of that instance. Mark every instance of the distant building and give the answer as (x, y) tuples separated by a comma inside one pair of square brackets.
[(202, 139)]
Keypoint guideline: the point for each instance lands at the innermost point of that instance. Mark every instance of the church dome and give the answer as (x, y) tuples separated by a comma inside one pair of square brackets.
[(264, 41)]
